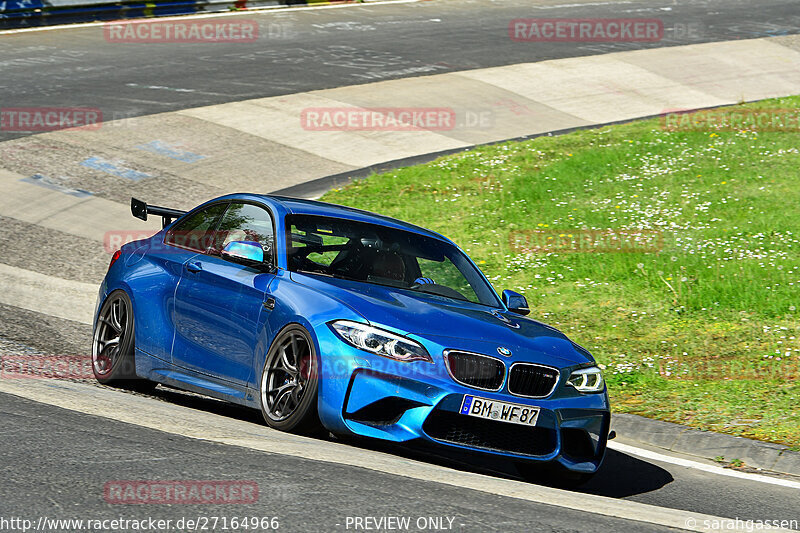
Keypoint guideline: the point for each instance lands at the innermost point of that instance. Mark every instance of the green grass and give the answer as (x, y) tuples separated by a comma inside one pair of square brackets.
[(702, 331)]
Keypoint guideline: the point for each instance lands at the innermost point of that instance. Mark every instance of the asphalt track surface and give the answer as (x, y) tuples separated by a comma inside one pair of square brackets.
[(55, 461), (81, 453), (303, 50)]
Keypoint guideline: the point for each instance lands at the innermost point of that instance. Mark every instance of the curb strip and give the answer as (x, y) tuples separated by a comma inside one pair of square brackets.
[(706, 444)]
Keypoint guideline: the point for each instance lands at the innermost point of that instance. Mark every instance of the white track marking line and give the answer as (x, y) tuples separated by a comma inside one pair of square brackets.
[(198, 424), (560, 6), (92, 217), (49, 295), (274, 9), (655, 456)]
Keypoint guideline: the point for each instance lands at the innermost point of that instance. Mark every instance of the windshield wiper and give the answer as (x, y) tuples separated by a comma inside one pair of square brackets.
[(326, 274), (422, 288)]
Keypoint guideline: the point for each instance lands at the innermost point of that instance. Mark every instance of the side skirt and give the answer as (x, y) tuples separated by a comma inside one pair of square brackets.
[(164, 372)]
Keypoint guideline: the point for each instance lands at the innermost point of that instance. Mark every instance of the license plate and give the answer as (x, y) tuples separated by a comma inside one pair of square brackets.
[(500, 411)]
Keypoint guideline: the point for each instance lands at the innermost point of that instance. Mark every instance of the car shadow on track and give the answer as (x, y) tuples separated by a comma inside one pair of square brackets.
[(623, 475), (620, 476)]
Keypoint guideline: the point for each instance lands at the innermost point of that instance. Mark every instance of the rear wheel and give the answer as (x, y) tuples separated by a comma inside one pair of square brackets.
[(289, 383), (113, 359)]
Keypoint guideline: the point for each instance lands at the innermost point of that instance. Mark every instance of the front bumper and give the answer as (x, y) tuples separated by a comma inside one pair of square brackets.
[(372, 396)]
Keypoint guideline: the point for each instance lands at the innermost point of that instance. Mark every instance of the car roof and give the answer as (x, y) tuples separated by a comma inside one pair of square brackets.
[(299, 206)]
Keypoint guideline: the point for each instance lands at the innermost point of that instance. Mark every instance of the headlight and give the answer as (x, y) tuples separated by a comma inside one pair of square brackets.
[(380, 342), (587, 380)]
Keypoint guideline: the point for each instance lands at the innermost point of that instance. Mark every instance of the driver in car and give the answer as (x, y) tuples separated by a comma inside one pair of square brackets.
[(389, 265)]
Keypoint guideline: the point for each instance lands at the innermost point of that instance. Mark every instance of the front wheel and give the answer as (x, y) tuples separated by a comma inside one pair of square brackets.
[(289, 383), (113, 360)]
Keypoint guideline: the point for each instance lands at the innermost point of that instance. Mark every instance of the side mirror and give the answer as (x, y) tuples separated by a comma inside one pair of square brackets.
[(515, 302), (244, 252)]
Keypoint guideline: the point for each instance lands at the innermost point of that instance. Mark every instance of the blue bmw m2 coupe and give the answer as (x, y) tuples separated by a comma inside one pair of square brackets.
[(324, 316)]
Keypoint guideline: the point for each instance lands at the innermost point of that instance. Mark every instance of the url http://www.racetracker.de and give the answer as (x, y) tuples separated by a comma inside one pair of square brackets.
[(149, 524)]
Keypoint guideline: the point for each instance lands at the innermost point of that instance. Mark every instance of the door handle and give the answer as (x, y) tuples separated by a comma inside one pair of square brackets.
[(194, 266)]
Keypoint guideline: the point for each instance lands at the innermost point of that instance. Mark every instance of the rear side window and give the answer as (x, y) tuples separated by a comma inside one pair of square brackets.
[(194, 231), (244, 222)]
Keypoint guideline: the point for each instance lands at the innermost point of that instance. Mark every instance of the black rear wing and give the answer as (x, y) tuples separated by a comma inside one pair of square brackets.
[(140, 209)]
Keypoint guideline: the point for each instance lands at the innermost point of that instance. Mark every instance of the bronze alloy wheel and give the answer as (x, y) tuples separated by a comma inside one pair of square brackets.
[(289, 382)]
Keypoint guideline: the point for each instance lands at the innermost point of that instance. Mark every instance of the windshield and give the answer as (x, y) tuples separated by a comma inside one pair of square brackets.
[(375, 254)]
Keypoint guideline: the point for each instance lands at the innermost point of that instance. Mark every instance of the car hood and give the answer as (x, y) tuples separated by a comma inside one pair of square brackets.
[(452, 324)]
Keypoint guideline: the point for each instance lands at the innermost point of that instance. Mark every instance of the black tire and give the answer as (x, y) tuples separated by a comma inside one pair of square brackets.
[(553, 476), (113, 359), (289, 383)]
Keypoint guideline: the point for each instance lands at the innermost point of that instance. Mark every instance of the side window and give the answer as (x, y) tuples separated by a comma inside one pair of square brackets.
[(244, 222), (327, 247), (194, 232)]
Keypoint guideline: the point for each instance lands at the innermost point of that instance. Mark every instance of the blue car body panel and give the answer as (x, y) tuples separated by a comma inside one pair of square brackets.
[(202, 325), (219, 319)]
